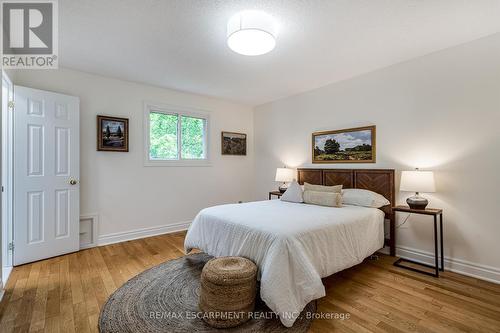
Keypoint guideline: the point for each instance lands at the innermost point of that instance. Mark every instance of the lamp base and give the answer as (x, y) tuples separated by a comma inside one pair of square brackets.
[(283, 187), (417, 202)]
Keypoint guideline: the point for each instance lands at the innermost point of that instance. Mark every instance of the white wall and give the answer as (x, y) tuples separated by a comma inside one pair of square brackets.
[(126, 195), (440, 112)]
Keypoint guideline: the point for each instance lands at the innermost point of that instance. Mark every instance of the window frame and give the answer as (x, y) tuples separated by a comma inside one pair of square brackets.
[(150, 107)]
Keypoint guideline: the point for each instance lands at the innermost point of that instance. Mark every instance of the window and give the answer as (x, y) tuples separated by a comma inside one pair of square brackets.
[(175, 136)]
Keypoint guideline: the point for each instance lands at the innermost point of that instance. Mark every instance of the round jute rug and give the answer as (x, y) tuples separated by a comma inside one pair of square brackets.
[(165, 299)]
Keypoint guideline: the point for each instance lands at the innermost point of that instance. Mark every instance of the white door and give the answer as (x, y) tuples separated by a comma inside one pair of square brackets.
[(46, 174)]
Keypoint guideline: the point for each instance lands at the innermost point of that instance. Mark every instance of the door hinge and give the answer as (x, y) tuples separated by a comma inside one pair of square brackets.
[(11, 246), (11, 104), (2, 189)]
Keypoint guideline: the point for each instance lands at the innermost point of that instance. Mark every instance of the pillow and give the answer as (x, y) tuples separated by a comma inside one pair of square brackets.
[(365, 198), (293, 193), (329, 199), (321, 188)]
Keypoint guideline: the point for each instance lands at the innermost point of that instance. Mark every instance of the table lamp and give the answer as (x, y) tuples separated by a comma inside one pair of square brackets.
[(284, 175), (417, 181)]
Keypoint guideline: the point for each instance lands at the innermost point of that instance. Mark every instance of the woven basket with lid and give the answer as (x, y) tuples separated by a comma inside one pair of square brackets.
[(228, 288)]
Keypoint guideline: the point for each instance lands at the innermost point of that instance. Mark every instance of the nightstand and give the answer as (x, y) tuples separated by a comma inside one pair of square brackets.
[(276, 193), (434, 213)]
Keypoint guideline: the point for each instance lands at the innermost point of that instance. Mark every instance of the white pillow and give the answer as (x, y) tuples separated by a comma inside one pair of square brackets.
[(293, 193), (365, 198)]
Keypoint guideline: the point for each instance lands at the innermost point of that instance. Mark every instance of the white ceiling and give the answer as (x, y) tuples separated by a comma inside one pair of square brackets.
[(181, 44)]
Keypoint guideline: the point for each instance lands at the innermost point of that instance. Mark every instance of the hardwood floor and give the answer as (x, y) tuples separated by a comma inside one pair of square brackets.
[(64, 294)]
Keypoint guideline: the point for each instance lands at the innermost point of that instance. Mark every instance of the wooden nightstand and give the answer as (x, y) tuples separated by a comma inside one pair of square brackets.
[(276, 193), (431, 212)]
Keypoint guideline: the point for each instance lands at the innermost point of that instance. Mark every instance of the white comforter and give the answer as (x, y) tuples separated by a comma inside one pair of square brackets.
[(294, 245)]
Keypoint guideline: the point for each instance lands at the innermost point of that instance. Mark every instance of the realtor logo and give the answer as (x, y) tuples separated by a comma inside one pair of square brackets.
[(29, 31)]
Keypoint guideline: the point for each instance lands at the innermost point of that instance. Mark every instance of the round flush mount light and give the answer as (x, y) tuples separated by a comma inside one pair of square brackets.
[(251, 33)]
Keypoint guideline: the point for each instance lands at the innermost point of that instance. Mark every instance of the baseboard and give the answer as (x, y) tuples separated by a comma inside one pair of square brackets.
[(124, 236), (483, 272), (5, 274), (3, 280)]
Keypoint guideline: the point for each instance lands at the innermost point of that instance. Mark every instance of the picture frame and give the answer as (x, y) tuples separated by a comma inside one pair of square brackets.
[(351, 145), (112, 134), (233, 143)]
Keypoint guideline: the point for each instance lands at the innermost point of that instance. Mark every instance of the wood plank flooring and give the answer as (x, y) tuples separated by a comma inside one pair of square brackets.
[(64, 294)]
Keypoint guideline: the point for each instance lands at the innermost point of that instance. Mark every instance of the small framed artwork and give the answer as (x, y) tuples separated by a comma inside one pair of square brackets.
[(112, 134), (234, 143), (352, 145)]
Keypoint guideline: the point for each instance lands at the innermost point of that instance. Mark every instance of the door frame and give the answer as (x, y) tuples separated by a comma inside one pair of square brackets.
[(7, 182)]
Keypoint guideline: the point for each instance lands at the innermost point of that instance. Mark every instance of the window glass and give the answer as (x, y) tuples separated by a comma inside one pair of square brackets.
[(163, 136), (192, 140)]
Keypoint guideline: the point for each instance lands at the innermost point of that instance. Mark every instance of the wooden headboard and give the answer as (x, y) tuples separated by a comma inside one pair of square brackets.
[(377, 180)]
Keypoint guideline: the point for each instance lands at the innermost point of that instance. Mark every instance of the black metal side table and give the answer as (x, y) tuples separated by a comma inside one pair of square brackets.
[(431, 212)]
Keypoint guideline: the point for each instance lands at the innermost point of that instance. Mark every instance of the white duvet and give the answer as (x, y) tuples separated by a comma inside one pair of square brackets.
[(294, 245)]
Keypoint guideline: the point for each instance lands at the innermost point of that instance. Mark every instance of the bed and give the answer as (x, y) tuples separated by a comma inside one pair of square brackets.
[(295, 245)]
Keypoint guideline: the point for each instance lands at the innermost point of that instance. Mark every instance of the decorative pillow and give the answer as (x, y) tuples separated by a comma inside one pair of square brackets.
[(293, 193), (321, 188), (365, 198), (329, 199)]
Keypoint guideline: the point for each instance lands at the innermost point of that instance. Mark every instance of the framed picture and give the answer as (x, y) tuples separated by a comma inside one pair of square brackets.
[(112, 134), (234, 143), (353, 145)]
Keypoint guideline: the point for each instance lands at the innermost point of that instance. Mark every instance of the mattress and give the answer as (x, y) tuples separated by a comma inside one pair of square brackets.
[(294, 245)]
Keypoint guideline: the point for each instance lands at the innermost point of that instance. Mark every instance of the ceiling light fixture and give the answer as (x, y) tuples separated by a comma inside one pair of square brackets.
[(251, 33)]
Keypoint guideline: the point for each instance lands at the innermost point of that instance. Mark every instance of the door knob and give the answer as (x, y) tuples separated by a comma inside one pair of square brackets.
[(73, 181)]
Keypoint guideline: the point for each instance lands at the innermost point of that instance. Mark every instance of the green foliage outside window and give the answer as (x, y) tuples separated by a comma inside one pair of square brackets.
[(192, 137), (164, 132), (163, 136)]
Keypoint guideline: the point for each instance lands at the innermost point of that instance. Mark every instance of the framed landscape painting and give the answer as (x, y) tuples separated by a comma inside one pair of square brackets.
[(353, 145), (112, 134), (234, 143)]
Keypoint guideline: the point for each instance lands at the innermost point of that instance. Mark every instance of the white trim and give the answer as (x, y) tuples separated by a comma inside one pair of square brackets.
[(95, 230), (123, 236), (6, 181), (181, 111), (479, 271), (6, 274)]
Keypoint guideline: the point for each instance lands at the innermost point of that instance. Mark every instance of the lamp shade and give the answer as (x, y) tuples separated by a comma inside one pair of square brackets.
[(417, 181), (284, 175)]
